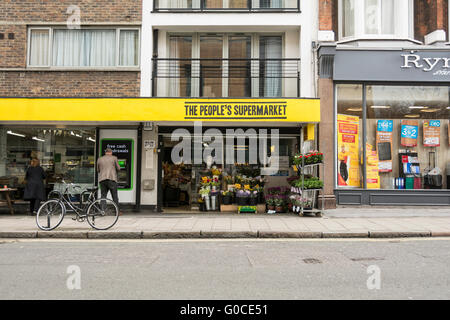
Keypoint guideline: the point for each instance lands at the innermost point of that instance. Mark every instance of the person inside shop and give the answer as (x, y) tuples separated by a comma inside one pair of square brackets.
[(107, 168), (343, 158), (34, 188)]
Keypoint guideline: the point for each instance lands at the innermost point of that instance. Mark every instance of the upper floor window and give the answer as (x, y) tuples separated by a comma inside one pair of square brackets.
[(83, 48), (375, 18), (225, 65)]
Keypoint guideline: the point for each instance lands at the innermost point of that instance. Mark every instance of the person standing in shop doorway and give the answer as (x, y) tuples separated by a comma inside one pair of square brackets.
[(34, 189), (107, 168)]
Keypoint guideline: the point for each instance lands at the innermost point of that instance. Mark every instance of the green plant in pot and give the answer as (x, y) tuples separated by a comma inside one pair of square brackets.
[(279, 203), (227, 197), (270, 201)]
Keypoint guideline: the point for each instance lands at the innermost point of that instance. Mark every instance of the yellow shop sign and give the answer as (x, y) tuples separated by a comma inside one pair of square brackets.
[(159, 109)]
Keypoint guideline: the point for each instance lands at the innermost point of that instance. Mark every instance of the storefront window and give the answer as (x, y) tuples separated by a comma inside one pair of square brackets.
[(407, 130), (64, 154), (182, 182), (349, 135)]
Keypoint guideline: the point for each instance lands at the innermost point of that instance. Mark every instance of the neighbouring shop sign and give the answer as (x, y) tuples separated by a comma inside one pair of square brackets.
[(155, 109), (392, 65)]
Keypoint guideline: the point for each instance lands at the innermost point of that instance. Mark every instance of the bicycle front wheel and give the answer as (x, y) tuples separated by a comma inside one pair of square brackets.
[(50, 215), (102, 214)]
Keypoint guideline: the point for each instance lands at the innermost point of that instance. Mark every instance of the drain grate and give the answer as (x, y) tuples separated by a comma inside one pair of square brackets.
[(367, 259), (312, 261)]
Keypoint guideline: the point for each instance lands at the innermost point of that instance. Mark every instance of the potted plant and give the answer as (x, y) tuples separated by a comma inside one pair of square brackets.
[(242, 197), (227, 197), (270, 201), (253, 200), (204, 193), (215, 184), (279, 203)]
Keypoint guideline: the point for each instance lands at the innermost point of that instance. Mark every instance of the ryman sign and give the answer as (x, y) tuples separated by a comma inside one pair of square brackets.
[(439, 66), (392, 65)]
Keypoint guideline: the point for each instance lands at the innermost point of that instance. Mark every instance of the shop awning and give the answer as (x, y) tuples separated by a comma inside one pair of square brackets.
[(160, 109)]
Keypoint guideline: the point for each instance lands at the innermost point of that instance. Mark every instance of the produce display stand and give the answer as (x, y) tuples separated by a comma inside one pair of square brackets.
[(312, 169)]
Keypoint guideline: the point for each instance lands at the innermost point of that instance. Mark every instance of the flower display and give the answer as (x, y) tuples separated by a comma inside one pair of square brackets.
[(310, 158)]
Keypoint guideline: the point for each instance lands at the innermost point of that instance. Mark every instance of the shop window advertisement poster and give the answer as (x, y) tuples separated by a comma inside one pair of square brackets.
[(409, 133), (348, 151), (431, 133), (384, 145), (373, 176)]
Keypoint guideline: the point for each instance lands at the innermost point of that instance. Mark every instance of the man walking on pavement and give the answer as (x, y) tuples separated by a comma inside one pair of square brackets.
[(107, 168)]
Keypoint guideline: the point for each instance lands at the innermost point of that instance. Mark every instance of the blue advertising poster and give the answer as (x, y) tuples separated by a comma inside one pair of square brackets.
[(410, 132), (385, 125)]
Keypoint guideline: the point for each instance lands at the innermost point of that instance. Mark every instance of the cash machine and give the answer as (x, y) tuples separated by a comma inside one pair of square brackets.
[(123, 150)]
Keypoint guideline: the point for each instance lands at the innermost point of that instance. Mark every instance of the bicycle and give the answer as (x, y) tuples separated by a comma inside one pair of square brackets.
[(101, 214)]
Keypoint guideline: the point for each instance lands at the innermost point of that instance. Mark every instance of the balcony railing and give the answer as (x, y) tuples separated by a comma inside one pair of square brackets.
[(226, 77), (226, 5)]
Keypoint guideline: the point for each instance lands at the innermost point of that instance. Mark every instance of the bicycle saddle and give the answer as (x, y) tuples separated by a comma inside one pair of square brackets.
[(95, 189)]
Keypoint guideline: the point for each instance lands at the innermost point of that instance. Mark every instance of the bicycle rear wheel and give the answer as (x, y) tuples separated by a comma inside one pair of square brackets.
[(102, 214), (50, 215)]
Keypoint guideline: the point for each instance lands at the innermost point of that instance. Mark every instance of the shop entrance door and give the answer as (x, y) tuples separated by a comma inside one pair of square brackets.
[(176, 182)]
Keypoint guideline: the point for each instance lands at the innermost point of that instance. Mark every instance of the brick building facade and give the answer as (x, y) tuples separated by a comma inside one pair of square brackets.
[(18, 79)]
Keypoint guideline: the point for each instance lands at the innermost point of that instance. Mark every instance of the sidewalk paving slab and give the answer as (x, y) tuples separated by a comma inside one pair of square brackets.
[(224, 225)]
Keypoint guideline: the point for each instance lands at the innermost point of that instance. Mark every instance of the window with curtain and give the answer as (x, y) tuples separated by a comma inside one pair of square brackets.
[(39, 47), (84, 48), (211, 68), (180, 66), (379, 16), (129, 48), (368, 17), (348, 18), (239, 66), (270, 66)]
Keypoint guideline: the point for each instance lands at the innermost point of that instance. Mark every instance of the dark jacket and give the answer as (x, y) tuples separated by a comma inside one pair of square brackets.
[(35, 188)]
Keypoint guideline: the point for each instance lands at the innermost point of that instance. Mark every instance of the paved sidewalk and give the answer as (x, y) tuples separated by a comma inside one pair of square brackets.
[(335, 224)]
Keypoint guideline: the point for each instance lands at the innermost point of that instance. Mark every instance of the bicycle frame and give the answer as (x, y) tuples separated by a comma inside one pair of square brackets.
[(81, 211)]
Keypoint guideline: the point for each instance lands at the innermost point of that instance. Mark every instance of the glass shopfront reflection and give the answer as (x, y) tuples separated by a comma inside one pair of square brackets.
[(64, 154)]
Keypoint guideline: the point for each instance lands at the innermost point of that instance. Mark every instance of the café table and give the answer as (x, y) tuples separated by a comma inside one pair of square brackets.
[(7, 192)]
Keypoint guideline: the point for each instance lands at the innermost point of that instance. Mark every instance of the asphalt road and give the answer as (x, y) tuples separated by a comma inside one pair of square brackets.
[(224, 269)]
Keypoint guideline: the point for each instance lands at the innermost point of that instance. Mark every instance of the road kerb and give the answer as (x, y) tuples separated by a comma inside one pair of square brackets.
[(18, 234), (289, 234), (171, 235), (440, 233), (399, 234), (62, 234), (331, 235), (114, 234), (229, 234)]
